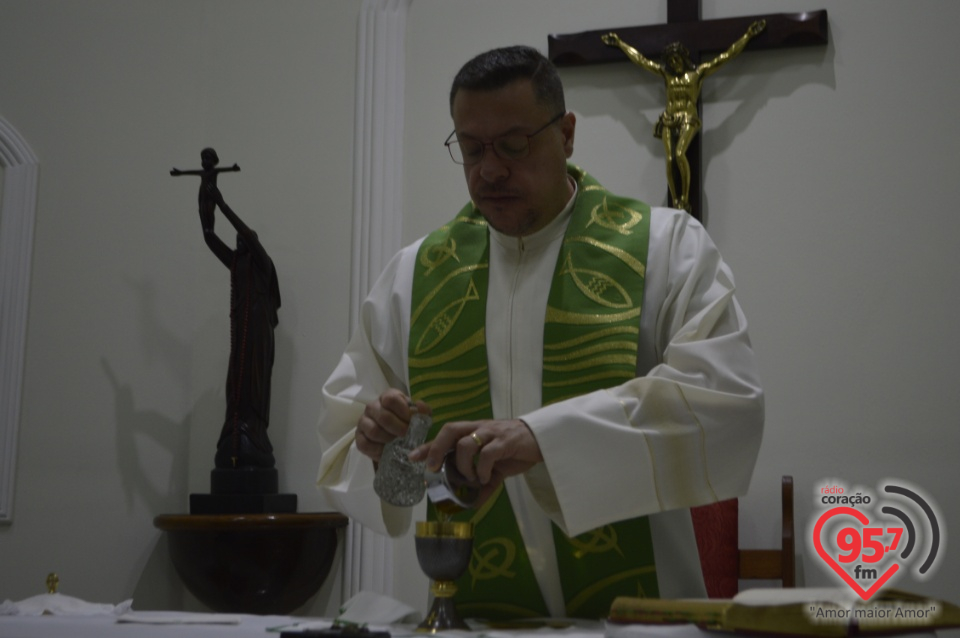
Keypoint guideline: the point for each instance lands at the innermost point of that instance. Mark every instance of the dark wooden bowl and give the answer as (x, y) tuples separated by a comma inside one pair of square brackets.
[(252, 563)]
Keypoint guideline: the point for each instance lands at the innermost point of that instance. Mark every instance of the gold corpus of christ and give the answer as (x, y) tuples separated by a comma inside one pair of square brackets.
[(680, 121)]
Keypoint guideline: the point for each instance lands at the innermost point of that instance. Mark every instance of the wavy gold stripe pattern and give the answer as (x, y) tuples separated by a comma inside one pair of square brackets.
[(461, 398), (555, 315), (447, 375), (607, 360), (471, 342), (608, 377), (626, 346), (470, 413), (594, 335), (455, 388)]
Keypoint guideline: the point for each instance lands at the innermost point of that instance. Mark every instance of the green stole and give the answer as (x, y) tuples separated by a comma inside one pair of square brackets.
[(590, 343)]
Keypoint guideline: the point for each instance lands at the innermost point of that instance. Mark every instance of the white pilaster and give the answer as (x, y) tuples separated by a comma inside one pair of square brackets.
[(17, 208), (377, 220)]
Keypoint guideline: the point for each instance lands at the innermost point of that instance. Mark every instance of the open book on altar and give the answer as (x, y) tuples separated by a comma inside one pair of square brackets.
[(796, 612)]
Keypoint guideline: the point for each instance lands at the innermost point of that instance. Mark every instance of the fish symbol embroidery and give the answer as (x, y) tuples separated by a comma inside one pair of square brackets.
[(617, 218), (597, 286), (440, 326)]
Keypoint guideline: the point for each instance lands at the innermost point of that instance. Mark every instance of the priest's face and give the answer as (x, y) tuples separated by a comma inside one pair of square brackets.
[(516, 195)]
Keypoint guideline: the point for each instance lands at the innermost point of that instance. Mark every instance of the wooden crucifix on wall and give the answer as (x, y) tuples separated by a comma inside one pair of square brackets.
[(679, 45)]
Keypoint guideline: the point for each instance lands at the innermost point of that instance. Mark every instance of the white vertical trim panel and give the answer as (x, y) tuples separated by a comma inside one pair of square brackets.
[(17, 211), (377, 220)]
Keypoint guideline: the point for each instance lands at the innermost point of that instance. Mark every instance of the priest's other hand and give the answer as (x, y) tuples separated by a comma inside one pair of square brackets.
[(384, 420)]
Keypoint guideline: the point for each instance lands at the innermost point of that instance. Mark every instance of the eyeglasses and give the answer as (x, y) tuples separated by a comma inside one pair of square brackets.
[(508, 147)]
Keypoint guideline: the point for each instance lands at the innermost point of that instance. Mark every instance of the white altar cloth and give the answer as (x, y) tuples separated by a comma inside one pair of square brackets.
[(232, 625), (250, 626)]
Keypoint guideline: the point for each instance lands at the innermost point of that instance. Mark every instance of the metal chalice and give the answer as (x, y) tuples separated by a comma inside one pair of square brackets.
[(443, 550)]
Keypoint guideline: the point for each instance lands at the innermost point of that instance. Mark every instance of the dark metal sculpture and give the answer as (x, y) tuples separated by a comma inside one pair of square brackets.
[(254, 301)]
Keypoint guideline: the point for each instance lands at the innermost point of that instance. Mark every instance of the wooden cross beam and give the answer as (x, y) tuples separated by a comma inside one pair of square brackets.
[(699, 36)]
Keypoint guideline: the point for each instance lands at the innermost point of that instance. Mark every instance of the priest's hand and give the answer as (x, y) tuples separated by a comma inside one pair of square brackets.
[(487, 451), (384, 420)]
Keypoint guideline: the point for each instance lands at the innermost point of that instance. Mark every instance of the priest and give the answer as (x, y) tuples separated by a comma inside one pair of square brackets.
[(583, 355)]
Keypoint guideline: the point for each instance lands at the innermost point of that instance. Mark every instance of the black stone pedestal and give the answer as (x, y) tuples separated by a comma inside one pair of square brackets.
[(247, 490)]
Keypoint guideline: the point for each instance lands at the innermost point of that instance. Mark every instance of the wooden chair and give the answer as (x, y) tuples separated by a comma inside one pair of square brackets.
[(725, 564)]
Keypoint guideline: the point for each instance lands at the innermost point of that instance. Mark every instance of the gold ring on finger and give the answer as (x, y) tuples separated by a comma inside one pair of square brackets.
[(477, 440)]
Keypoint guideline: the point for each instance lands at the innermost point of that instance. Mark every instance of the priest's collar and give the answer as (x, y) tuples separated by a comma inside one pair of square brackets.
[(556, 228)]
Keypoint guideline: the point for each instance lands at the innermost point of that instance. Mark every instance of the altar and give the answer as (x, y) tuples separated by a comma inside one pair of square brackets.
[(204, 625), (175, 624)]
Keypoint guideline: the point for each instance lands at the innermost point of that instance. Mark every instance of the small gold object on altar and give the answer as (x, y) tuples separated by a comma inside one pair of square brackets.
[(53, 581)]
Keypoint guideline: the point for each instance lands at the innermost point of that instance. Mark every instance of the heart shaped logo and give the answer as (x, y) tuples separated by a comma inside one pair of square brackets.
[(865, 594)]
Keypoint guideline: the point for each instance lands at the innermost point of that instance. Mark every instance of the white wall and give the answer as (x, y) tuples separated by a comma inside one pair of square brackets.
[(826, 178)]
